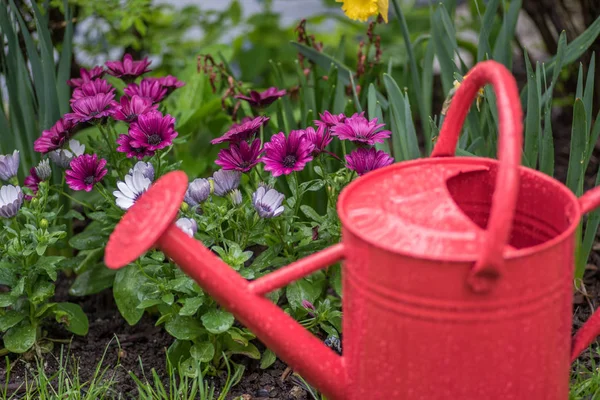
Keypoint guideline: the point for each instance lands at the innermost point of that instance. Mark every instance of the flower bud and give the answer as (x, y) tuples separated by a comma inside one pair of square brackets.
[(43, 170), (44, 223), (184, 207)]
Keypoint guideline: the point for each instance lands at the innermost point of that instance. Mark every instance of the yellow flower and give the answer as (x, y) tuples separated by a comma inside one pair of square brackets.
[(361, 10)]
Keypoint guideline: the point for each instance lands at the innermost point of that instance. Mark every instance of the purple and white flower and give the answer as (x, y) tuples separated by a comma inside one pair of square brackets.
[(226, 181), (153, 131), (11, 200), (188, 226), (43, 170), (130, 189), (63, 157), (267, 202), (145, 168), (198, 191), (9, 166), (55, 137)]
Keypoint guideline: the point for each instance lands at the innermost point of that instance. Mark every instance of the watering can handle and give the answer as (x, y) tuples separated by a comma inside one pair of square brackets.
[(591, 329), (488, 268)]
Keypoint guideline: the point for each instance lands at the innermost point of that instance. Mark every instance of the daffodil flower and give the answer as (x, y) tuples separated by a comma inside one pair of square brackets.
[(361, 10)]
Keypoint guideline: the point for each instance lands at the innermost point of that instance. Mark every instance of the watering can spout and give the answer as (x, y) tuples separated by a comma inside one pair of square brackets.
[(150, 223)]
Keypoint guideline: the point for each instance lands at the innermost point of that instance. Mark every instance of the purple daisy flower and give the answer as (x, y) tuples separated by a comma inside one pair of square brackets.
[(359, 129), (55, 137), (128, 69), (131, 108), (85, 172), (151, 90), (240, 156), (242, 131), (286, 155), (329, 120), (11, 200), (188, 226), (319, 138), (125, 146), (9, 165), (262, 99), (153, 131), (364, 160), (32, 182), (86, 76), (92, 88), (92, 107), (169, 82), (267, 202)]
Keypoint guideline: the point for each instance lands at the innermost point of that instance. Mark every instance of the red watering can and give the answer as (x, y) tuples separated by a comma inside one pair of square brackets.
[(457, 279)]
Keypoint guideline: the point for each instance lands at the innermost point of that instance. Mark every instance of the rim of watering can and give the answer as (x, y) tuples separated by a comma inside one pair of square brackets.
[(508, 254)]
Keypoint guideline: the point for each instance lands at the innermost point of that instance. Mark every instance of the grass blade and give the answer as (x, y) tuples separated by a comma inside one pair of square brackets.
[(503, 46), (533, 118), (324, 61), (483, 49), (578, 151), (64, 65)]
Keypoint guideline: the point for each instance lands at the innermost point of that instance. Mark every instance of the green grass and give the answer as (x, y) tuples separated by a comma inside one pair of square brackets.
[(67, 384), (585, 381)]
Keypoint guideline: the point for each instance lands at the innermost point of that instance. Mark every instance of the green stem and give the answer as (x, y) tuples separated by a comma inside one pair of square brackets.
[(82, 203), (109, 200), (111, 150), (158, 165)]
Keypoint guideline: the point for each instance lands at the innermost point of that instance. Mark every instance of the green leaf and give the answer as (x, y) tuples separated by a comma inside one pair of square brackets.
[(533, 117), (203, 352), (88, 240), (10, 319), (73, 214), (268, 358), (217, 321), (93, 281), (248, 350), (503, 45), (6, 299), (20, 338), (8, 276), (126, 286), (404, 137), (309, 288), (49, 265), (184, 328), (483, 44), (312, 214), (578, 149), (42, 291), (73, 317), (178, 350), (191, 305)]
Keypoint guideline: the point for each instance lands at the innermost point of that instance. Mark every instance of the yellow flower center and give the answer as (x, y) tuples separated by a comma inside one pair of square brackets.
[(361, 10)]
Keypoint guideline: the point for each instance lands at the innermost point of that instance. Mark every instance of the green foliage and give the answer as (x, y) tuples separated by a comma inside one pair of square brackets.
[(28, 271)]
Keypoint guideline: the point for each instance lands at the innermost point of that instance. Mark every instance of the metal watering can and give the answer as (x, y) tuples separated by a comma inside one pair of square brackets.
[(457, 280)]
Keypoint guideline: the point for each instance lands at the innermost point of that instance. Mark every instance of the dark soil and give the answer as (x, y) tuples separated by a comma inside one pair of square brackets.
[(144, 344)]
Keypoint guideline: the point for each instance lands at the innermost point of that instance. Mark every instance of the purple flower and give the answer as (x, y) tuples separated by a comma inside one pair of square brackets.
[(92, 88), (188, 226), (128, 69), (9, 166), (358, 129), (11, 200), (55, 137), (262, 99), (364, 160), (197, 192), (32, 182), (92, 107), (226, 181), (131, 108), (319, 138), (308, 306), (85, 172), (153, 131), (286, 155), (63, 157), (125, 146), (242, 131), (240, 156), (86, 76), (329, 120), (169, 82), (151, 90), (267, 202)]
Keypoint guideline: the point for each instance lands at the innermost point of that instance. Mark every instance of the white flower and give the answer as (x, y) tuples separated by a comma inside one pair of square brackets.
[(188, 226), (131, 189), (11, 200), (63, 157)]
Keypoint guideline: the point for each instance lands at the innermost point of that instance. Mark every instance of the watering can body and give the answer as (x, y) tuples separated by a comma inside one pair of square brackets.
[(457, 272)]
